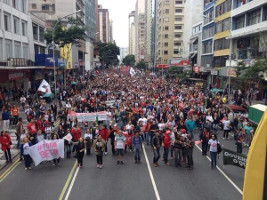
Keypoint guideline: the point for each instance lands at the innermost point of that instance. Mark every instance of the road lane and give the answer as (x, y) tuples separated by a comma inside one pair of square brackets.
[(44, 182)]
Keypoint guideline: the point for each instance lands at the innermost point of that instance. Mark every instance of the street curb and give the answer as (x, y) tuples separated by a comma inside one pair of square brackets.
[(5, 165)]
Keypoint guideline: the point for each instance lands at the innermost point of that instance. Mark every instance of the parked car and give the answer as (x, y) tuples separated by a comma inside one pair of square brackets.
[(235, 109)]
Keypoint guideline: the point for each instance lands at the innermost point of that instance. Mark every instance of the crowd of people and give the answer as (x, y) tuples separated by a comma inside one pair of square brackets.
[(146, 110)]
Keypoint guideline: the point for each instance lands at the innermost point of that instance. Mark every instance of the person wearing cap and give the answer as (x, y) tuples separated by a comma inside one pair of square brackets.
[(166, 146)]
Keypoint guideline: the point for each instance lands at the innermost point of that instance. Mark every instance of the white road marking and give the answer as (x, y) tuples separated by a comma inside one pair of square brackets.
[(72, 183), (222, 172), (151, 175)]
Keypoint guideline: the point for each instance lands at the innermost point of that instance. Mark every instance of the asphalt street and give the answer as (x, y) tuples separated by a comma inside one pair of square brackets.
[(130, 181)]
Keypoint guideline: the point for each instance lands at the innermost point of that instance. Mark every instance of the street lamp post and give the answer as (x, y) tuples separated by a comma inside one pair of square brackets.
[(53, 43)]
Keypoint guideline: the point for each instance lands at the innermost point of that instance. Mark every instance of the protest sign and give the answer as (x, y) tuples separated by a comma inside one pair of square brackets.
[(233, 158), (68, 137), (47, 150), (91, 117)]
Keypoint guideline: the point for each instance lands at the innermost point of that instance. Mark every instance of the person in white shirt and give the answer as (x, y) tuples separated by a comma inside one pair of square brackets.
[(226, 127), (88, 137), (26, 155), (213, 147), (22, 101)]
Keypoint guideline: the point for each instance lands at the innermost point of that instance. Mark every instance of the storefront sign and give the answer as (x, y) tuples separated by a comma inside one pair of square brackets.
[(15, 75), (231, 72)]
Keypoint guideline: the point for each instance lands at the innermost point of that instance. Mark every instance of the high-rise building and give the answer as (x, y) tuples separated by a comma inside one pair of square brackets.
[(208, 31), (123, 53), (41, 6), (148, 32), (132, 37), (169, 30), (104, 26), (111, 30), (140, 30), (193, 13), (222, 32), (249, 31)]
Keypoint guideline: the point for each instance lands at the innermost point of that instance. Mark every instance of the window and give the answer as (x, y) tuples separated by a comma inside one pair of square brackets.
[(208, 32), (207, 47), (1, 49), (254, 17), (208, 17), (14, 3), (178, 19), (34, 6), (6, 2), (223, 8), (178, 2), (35, 31), (206, 2), (223, 25), (177, 27), (17, 49), (23, 6), (177, 35), (178, 10), (265, 14), (175, 51), (166, 36), (24, 28), (25, 51), (45, 7), (166, 28), (42, 50), (220, 61), (206, 61), (239, 22), (167, 2), (167, 11), (165, 44), (221, 44), (177, 43), (16, 25), (8, 49), (7, 22), (166, 19), (165, 52), (41, 34), (238, 3)]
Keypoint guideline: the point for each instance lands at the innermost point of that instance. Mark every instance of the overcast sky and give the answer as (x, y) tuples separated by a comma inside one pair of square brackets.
[(118, 12)]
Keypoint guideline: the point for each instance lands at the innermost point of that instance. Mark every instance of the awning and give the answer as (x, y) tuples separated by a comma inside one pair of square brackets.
[(194, 40), (22, 68)]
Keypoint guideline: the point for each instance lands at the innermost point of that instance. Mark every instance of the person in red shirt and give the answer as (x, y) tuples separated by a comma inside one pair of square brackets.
[(32, 128), (104, 132), (204, 138), (166, 145), (41, 124), (76, 135), (5, 144)]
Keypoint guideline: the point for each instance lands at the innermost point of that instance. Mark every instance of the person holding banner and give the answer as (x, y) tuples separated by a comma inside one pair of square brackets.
[(26, 154), (80, 148), (56, 160)]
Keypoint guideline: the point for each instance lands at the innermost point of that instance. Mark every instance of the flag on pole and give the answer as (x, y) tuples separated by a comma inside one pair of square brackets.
[(255, 182), (44, 87)]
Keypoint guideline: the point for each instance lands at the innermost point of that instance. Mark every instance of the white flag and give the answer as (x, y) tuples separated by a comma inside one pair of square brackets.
[(44, 87), (132, 72)]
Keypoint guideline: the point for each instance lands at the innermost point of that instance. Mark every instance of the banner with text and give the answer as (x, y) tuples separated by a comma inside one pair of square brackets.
[(47, 150), (91, 117), (233, 158)]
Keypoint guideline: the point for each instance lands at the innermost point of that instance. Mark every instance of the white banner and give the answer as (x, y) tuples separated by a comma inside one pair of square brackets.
[(91, 117), (47, 150), (44, 87)]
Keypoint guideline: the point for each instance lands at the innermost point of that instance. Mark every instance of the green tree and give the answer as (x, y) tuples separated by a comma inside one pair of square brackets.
[(177, 72), (141, 65), (129, 60), (108, 53), (71, 31)]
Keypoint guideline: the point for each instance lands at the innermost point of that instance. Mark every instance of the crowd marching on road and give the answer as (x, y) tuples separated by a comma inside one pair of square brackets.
[(168, 115)]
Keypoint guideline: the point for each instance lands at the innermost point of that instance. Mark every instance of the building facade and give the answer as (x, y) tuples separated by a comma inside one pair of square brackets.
[(132, 37), (140, 30), (249, 31), (169, 31), (148, 32), (208, 31), (195, 47), (104, 26)]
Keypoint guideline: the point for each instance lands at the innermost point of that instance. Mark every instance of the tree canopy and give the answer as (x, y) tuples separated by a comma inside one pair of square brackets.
[(66, 32), (129, 60), (108, 53), (141, 65)]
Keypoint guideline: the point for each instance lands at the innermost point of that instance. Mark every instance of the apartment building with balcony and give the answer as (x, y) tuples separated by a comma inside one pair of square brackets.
[(208, 31), (222, 32), (132, 37), (104, 26), (249, 31), (195, 47), (140, 30)]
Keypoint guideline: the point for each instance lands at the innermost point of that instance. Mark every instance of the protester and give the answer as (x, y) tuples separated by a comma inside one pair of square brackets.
[(119, 146), (166, 146), (26, 155), (88, 136), (204, 138), (5, 118), (5, 142), (137, 146), (56, 161), (80, 148), (213, 148), (99, 146)]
